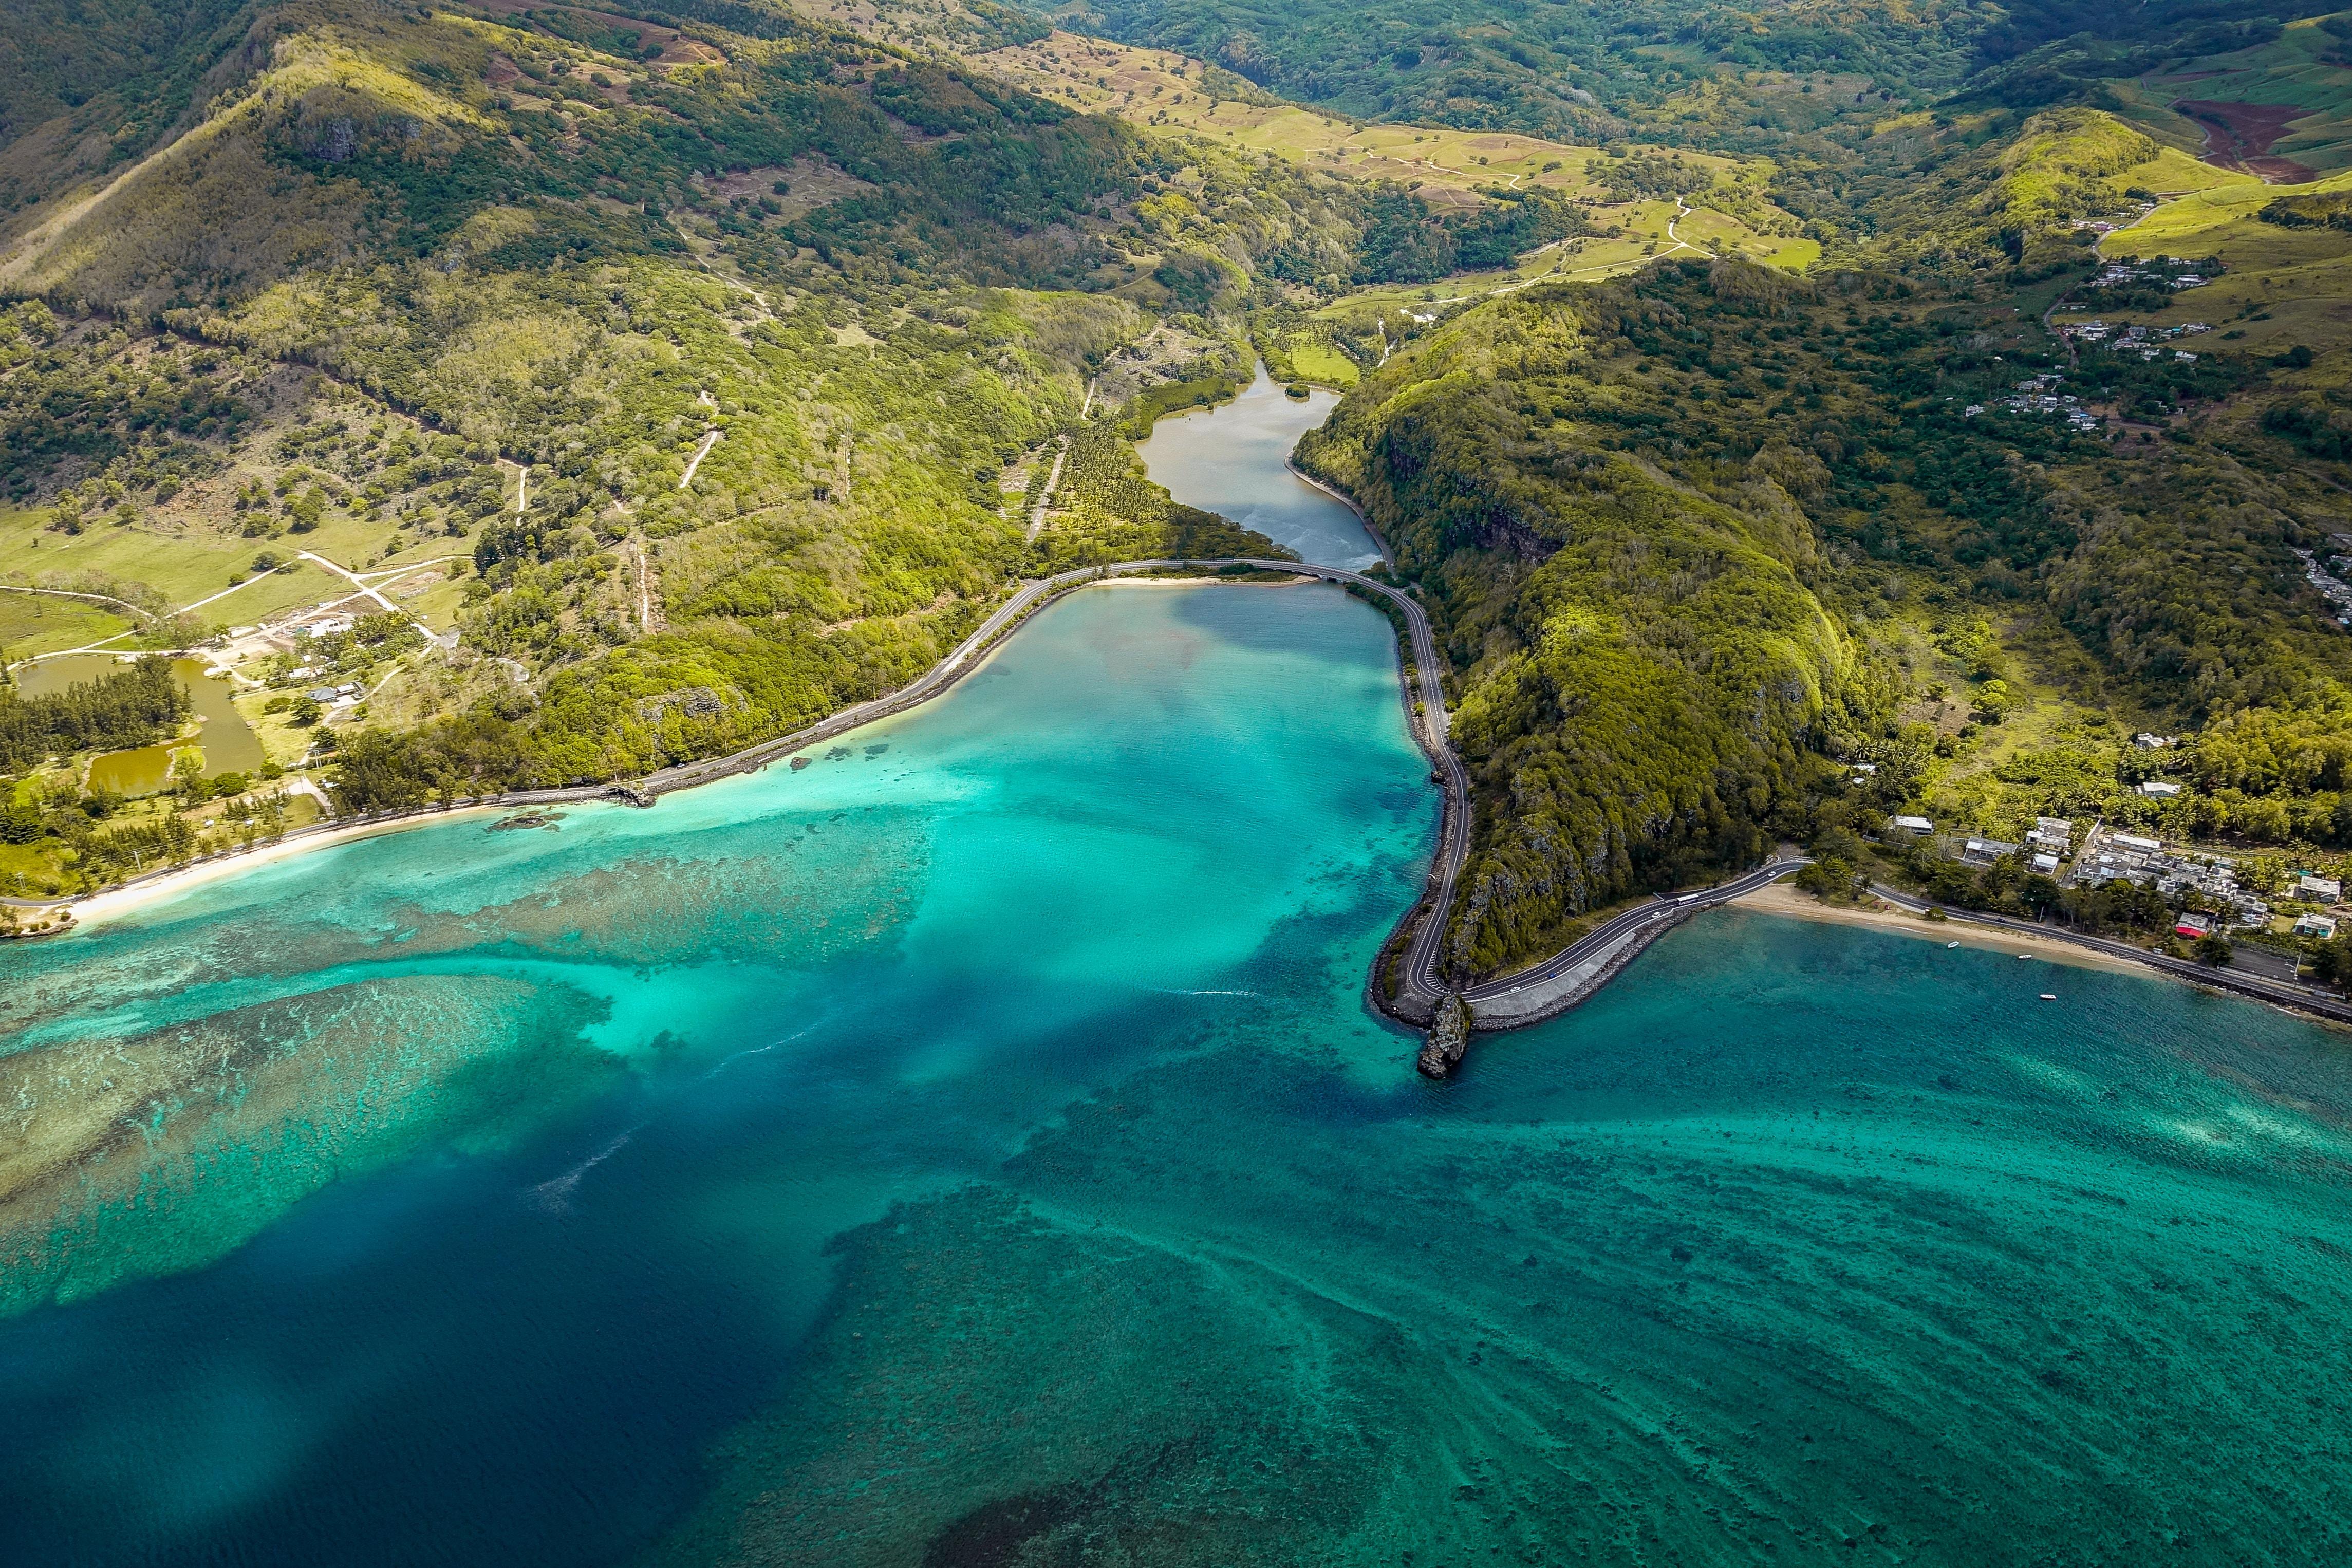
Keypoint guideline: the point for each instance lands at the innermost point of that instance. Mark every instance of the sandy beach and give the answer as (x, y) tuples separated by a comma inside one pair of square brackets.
[(112, 902), (1780, 898)]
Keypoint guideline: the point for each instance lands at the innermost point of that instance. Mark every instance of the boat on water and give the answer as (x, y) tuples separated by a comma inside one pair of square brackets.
[(2050, 995), (1951, 945)]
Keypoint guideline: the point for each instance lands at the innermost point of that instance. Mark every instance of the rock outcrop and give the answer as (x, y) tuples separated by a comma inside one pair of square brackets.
[(1449, 1037)]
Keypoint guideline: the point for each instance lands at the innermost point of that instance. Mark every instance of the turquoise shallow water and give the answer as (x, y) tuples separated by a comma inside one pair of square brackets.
[(974, 1149)]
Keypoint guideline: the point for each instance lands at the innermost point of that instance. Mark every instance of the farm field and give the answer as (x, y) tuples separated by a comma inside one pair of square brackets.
[(2281, 109), (42, 622), (190, 568)]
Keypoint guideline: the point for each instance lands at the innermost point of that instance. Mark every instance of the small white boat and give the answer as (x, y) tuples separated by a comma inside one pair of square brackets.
[(2050, 995), (1951, 945), (2024, 955)]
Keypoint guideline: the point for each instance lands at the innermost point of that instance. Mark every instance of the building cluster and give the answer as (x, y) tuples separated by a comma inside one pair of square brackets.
[(2146, 341), (2318, 891), (2124, 274), (2172, 873), (2101, 225), (2045, 846), (2332, 588), (2039, 395)]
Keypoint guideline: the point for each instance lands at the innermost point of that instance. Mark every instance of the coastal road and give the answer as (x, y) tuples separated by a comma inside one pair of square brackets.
[(1420, 988), (1665, 908)]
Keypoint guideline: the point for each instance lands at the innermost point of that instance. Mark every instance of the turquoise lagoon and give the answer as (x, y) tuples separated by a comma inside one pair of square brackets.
[(974, 1148)]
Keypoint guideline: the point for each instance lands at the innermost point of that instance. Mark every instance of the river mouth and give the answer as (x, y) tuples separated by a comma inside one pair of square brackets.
[(1234, 459)]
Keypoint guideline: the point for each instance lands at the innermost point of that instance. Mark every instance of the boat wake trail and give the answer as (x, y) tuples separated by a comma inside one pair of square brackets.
[(555, 1196), (727, 1062)]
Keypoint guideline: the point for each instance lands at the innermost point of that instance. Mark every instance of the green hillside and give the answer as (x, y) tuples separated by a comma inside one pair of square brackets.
[(635, 386)]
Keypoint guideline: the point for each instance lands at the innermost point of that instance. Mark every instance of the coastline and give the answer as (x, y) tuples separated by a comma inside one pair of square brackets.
[(109, 903), (1780, 898), (1344, 499), (2000, 933), (971, 655)]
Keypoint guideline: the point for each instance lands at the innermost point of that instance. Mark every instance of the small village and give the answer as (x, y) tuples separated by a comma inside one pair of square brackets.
[(2038, 394), (2210, 890)]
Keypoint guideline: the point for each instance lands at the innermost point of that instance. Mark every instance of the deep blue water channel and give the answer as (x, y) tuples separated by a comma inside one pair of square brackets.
[(974, 1149)]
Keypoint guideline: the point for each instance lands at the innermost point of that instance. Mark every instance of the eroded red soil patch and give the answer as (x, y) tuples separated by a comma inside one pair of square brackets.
[(2238, 137)]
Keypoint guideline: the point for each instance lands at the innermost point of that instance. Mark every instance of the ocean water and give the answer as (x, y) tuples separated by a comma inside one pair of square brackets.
[(1234, 459), (974, 1149)]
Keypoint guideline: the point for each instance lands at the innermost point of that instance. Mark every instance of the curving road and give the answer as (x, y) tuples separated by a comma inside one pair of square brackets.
[(1666, 908)]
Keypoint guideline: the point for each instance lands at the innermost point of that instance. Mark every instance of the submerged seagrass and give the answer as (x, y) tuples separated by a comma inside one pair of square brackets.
[(972, 1148)]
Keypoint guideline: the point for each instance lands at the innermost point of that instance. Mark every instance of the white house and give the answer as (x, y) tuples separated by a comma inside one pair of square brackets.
[(2159, 789), (2328, 889), (1918, 826)]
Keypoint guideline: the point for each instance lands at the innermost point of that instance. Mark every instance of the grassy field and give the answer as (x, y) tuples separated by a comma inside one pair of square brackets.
[(2280, 287), (192, 564), (1704, 232), (38, 622), (1315, 360)]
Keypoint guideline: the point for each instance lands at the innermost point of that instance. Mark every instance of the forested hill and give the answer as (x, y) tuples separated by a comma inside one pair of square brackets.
[(383, 260), (1642, 667)]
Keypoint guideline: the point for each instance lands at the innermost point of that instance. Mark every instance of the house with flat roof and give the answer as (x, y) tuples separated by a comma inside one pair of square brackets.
[(1985, 851)]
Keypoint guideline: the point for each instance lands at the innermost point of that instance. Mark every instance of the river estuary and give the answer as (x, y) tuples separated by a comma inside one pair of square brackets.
[(974, 1148)]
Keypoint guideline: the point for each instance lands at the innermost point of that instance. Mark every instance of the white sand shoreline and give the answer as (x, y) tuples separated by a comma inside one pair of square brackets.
[(109, 903), (112, 903), (1780, 898)]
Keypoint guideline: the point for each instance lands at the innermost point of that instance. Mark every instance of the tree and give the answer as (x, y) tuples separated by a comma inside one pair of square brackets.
[(188, 776), (1829, 878), (2331, 962), (2212, 949)]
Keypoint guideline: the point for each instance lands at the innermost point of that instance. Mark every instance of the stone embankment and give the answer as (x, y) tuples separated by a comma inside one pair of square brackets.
[(1514, 1006), (1549, 988)]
